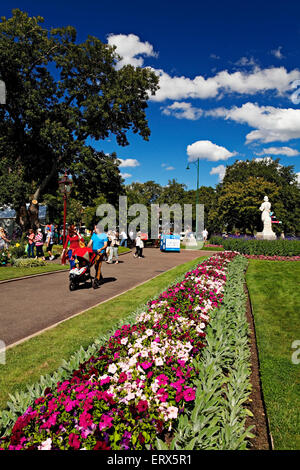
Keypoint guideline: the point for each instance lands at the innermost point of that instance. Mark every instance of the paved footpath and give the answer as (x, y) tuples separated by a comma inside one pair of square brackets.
[(31, 305)]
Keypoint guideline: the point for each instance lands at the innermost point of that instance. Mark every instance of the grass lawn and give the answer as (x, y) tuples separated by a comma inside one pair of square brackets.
[(10, 272), (44, 353), (275, 297)]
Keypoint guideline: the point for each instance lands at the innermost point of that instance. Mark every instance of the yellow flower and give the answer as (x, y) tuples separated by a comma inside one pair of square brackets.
[(17, 244)]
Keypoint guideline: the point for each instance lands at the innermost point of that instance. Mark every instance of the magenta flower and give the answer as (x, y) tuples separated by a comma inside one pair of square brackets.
[(162, 379), (189, 394), (162, 394), (146, 365), (85, 420), (105, 422)]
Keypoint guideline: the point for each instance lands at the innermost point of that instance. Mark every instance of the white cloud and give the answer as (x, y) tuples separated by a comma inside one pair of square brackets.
[(277, 53), (250, 82), (182, 110), (270, 123), (167, 167), (128, 162), (126, 175), (206, 150), (177, 88), (218, 170), (245, 61), (131, 49), (288, 151)]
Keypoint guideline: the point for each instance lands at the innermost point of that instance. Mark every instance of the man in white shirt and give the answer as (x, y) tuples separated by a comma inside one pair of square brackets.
[(123, 237), (204, 234)]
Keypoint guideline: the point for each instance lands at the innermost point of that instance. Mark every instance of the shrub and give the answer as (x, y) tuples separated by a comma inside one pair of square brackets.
[(27, 262), (259, 247), (17, 250), (4, 257)]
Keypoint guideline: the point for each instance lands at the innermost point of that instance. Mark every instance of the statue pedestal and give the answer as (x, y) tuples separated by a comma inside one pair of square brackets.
[(189, 241), (267, 235)]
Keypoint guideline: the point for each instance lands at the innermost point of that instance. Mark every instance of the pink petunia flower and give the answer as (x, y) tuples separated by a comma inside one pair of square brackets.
[(189, 394)]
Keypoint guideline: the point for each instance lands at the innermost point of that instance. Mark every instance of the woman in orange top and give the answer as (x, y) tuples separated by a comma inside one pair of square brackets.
[(74, 239)]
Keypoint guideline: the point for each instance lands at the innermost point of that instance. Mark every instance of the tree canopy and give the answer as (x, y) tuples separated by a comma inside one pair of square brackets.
[(59, 94)]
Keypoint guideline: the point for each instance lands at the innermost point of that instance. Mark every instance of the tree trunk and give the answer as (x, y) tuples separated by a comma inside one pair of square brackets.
[(22, 217), (33, 215), (29, 218)]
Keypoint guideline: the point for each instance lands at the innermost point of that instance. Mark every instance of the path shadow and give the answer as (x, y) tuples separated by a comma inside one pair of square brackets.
[(108, 279), (88, 285)]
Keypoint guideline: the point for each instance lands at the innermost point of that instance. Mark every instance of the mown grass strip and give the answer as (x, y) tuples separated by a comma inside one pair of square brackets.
[(275, 297), (43, 354), (7, 272)]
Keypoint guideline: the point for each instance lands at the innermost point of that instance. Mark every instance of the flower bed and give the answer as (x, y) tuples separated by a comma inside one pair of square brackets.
[(139, 383)]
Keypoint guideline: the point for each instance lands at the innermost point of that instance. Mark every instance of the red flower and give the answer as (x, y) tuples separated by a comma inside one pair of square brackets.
[(74, 441), (142, 406), (101, 445), (122, 377)]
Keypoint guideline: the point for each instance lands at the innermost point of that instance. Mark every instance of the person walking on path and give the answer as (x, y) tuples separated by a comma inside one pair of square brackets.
[(204, 234), (123, 237), (50, 243), (74, 240), (113, 246), (3, 239), (131, 236), (39, 242), (30, 248), (139, 244), (98, 243)]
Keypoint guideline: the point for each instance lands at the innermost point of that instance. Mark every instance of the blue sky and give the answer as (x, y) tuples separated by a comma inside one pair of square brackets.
[(229, 75)]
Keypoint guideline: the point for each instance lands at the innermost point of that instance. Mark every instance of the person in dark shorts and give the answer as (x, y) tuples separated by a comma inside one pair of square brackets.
[(50, 242), (98, 243)]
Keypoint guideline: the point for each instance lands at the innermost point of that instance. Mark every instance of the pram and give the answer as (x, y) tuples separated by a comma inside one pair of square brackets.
[(84, 259)]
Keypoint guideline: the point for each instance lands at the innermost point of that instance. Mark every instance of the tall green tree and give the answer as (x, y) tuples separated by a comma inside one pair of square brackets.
[(285, 200), (59, 94), (238, 203)]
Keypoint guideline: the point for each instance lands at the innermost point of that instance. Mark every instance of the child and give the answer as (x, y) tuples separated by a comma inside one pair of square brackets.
[(30, 249), (38, 240)]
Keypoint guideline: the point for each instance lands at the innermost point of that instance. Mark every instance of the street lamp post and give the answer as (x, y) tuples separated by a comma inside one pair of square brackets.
[(65, 185), (197, 192)]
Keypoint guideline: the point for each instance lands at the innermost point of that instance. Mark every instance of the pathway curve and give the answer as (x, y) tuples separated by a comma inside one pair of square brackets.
[(31, 305)]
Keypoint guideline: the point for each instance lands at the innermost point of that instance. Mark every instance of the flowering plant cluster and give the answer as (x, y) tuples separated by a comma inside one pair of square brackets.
[(273, 258), (140, 381), (4, 257), (209, 245)]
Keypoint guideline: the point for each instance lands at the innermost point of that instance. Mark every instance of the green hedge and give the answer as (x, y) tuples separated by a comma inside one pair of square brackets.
[(259, 247)]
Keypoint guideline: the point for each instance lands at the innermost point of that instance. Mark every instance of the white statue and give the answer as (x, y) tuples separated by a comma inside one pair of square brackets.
[(267, 233), (189, 239)]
